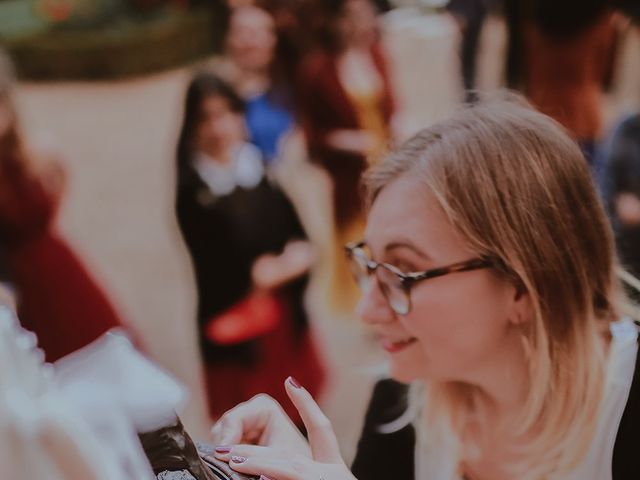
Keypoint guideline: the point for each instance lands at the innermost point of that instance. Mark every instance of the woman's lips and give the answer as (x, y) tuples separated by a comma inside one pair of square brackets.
[(396, 346)]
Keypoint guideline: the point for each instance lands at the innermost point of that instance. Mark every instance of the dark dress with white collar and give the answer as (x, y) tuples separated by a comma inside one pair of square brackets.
[(224, 234)]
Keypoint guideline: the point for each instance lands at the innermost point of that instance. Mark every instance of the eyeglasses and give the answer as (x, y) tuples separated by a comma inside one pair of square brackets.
[(395, 284)]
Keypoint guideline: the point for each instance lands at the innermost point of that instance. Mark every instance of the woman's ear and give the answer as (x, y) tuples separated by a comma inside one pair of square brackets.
[(522, 307)]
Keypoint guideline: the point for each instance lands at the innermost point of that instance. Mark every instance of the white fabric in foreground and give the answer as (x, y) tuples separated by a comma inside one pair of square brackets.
[(80, 419)]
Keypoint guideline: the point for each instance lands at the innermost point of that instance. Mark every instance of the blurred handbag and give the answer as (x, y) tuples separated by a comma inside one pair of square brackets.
[(256, 315), (173, 455)]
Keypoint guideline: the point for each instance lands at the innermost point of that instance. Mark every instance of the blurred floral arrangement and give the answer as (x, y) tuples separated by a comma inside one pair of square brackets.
[(105, 39), (20, 18), (89, 13)]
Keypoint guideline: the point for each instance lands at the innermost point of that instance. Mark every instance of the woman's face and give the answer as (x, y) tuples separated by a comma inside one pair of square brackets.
[(357, 23), (219, 128), (251, 39), (458, 322)]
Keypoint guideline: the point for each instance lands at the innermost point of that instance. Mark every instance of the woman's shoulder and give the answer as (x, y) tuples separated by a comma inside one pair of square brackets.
[(389, 401), (626, 462), (386, 435), (187, 179)]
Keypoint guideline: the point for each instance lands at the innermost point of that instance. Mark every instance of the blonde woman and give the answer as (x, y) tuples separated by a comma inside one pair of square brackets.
[(489, 274)]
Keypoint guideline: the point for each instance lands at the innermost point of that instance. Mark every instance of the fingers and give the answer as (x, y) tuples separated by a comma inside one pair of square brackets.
[(225, 431), (322, 439), (245, 422), (227, 453), (269, 467), (272, 464)]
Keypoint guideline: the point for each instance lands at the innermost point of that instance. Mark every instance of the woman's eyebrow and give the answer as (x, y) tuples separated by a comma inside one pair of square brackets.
[(408, 245)]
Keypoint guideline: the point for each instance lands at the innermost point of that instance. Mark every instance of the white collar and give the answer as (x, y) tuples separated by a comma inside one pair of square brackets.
[(245, 170)]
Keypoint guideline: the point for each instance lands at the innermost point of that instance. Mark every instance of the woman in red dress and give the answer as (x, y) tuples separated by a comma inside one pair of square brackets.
[(346, 106), (57, 298)]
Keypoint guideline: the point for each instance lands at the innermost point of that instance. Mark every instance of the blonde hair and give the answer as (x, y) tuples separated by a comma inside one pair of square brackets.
[(519, 190)]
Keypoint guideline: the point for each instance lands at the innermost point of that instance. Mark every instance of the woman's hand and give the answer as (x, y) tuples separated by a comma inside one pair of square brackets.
[(259, 421), (360, 142), (276, 462), (272, 271), (53, 176), (627, 206)]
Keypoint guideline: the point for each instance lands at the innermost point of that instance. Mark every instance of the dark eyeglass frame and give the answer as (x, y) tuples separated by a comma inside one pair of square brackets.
[(408, 280)]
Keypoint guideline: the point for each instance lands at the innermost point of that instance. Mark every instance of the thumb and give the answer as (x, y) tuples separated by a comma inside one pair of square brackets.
[(322, 439)]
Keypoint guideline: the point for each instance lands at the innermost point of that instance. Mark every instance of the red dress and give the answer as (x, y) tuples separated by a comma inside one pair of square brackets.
[(58, 299), (326, 106), (565, 79)]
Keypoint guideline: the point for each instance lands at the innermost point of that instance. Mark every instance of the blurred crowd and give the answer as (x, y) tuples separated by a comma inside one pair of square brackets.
[(303, 82)]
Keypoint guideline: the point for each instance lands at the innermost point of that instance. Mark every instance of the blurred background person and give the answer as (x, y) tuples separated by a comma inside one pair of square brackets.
[(564, 54), (299, 24), (346, 107), (631, 8), (620, 154), (470, 15), (57, 298), (254, 70), (622, 188), (244, 237)]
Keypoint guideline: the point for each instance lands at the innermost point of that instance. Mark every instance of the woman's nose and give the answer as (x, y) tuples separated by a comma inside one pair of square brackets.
[(373, 307)]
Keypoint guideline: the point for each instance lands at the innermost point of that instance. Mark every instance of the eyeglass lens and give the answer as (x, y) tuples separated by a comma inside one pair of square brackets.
[(390, 283)]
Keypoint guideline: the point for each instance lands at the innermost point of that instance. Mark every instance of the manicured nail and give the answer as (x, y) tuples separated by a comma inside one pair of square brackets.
[(294, 382), (223, 449), (236, 459)]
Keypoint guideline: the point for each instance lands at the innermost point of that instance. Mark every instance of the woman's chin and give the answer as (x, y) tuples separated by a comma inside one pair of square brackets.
[(402, 374)]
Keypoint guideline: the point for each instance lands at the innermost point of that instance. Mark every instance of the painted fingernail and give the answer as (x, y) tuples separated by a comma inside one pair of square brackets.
[(294, 382), (223, 449), (236, 459)]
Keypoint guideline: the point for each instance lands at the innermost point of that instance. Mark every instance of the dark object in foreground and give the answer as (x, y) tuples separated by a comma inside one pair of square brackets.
[(174, 456)]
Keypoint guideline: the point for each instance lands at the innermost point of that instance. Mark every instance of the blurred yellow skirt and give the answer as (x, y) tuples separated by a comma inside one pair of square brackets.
[(344, 292)]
